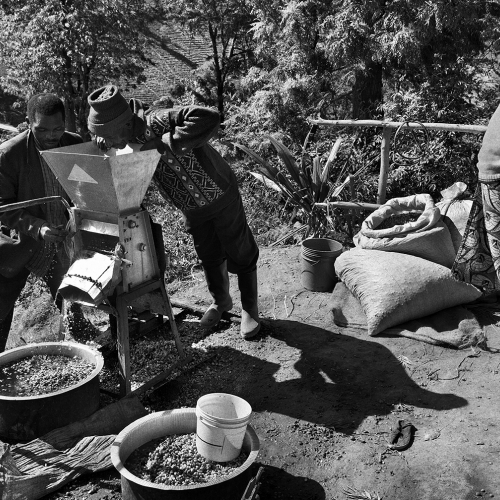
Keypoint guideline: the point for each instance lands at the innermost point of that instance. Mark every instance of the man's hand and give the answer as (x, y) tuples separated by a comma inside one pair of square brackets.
[(100, 142), (155, 143), (53, 234)]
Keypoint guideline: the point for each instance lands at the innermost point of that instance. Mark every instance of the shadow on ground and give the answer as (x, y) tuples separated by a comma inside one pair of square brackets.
[(339, 380), (274, 479)]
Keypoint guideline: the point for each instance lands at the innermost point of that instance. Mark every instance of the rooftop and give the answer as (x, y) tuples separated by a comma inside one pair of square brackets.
[(175, 54)]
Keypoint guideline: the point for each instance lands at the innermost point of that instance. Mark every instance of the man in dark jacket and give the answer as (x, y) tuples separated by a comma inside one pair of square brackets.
[(192, 176), (24, 176)]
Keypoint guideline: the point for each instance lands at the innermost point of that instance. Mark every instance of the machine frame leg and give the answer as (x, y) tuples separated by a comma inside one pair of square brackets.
[(123, 345), (123, 301)]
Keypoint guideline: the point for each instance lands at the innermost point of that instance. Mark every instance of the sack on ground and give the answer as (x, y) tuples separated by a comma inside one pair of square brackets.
[(15, 253), (434, 244), (422, 204), (427, 237), (393, 287), (455, 214)]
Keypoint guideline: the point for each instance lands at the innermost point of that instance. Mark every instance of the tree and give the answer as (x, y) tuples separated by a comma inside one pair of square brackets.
[(362, 48), (226, 24), (70, 47), (290, 77), (417, 41)]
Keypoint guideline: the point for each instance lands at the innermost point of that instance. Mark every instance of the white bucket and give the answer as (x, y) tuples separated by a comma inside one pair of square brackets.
[(221, 425)]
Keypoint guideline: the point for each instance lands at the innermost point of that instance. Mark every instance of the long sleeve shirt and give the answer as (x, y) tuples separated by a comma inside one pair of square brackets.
[(191, 174), (488, 163)]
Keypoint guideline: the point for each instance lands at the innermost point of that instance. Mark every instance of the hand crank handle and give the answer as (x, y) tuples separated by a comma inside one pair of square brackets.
[(31, 203)]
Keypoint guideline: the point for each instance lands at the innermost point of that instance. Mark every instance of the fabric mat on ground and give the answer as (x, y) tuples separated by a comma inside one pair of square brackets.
[(35, 469), (110, 419), (453, 327), (32, 470)]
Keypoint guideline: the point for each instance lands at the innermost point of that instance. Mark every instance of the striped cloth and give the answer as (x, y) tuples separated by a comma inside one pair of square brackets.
[(55, 215)]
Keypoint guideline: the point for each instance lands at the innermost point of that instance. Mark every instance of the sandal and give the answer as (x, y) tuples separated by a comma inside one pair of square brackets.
[(402, 437)]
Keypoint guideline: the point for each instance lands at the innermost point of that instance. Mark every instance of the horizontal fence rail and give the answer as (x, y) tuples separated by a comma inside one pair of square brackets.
[(388, 129), (349, 205), (8, 128)]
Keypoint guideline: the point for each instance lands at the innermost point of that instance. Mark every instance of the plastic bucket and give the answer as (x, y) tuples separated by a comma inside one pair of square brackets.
[(222, 420), (166, 423), (318, 263)]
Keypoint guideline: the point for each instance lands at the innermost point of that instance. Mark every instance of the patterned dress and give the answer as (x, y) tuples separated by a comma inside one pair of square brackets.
[(478, 258)]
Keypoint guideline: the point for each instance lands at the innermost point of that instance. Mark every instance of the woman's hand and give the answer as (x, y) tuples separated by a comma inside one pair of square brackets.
[(100, 142), (155, 143)]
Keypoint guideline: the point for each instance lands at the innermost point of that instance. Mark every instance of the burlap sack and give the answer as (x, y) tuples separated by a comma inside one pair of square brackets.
[(427, 237), (417, 203), (15, 253), (455, 214), (394, 287), (434, 244)]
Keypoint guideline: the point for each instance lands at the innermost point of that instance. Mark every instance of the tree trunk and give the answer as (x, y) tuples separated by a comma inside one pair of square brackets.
[(70, 114), (367, 93), (218, 73)]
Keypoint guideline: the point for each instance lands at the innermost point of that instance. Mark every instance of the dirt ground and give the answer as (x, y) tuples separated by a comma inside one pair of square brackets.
[(325, 399)]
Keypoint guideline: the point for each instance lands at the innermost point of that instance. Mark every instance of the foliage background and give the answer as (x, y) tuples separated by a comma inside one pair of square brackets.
[(275, 64)]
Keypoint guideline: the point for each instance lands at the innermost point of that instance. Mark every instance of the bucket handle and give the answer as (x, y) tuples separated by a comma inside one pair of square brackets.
[(310, 261)]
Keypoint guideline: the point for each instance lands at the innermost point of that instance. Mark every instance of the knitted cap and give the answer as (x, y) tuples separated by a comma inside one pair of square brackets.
[(108, 111)]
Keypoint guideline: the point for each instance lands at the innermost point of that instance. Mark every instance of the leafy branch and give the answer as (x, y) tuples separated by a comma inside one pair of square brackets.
[(302, 183)]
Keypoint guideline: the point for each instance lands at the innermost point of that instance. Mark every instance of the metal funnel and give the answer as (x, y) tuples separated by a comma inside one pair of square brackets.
[(114, 182)]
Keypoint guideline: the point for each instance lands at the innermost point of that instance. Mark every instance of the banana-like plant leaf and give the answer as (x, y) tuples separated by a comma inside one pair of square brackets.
[(264, 172), (288, 160), (323, 194), (273, 171), (283, 181), (302, 184), (316, 177), (305, 163), (267, 182), (333, 154)]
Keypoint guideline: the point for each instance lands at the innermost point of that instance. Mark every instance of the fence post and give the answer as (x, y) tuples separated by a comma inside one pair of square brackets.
[(384, 164)]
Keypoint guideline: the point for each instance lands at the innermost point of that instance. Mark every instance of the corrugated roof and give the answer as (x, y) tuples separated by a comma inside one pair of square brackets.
[(175, 54)]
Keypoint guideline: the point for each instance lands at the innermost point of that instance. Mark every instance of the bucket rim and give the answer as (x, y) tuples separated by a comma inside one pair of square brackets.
[(337, 244), (209, 416), (227, 422), (125, 473)]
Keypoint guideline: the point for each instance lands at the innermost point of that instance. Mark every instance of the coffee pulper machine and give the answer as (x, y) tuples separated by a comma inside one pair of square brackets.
[(117, 262)]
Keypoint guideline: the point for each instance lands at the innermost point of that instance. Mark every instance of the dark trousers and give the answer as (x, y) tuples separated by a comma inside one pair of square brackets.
[(225, 236), (11, 288)]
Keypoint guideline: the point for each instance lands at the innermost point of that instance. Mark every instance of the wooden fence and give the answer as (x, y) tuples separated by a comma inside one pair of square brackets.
[(8, 128), (388, 129)]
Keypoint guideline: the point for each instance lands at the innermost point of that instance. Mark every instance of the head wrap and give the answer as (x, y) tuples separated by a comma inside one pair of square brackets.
[(108, 111)]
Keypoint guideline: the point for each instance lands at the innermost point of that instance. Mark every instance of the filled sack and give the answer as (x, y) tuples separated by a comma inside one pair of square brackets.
[(422, 204), (15, 253), (455, 214), (394, 288), (426, 237), (434, 244)]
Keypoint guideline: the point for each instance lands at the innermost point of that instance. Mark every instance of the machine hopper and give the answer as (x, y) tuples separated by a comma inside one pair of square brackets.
[(107, 190), (114, 182)]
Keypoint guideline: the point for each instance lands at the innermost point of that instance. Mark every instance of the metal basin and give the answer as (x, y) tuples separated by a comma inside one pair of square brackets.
[(23, 418), (180, 421)]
